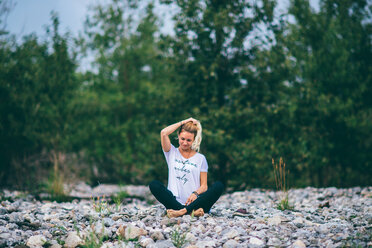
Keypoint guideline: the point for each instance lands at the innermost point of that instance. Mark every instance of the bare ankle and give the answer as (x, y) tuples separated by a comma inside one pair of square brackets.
[(176, 213)]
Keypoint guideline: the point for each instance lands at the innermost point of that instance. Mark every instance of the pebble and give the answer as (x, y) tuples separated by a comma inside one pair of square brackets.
[(162, 244), (157, 235), (36, 241), (205, 244), (256, 242), (322, 217), (276, 220), (298, 244), (231, 234), (146, 242), (73, 240), (231, 244)]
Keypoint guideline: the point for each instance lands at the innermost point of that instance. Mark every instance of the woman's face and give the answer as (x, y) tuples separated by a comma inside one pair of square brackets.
[(185, 140)]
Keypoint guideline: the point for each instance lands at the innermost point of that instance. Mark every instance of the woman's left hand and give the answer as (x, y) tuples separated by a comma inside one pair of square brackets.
[(191, 198)]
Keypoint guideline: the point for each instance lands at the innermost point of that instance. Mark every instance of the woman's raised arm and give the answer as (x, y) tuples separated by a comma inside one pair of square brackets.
[(164, 134)]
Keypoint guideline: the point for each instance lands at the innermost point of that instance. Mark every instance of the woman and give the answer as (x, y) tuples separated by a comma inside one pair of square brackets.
[(187, 173)]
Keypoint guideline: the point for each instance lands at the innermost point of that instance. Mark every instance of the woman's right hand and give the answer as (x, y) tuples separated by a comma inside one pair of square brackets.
[(194, 121), (165, 141)]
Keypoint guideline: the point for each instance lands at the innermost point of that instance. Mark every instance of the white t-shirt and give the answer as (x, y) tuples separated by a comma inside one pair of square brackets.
[(184, 174)]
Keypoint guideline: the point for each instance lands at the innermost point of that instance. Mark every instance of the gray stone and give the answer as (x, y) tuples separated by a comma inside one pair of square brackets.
[(274, 242), (218, 229), (36, 241), (164, 244), (146, 242), (231, 244), (3, 211), (73, 240), (256, 241), (132, 232), (54, 244), (168, 222), (157, 235), (298, 244), (190, 238), (299, 222), (5, 236), (15, 217), (231, 234), (276, 220), (324, 228), (348, 213), (108, 222), (205, 244)]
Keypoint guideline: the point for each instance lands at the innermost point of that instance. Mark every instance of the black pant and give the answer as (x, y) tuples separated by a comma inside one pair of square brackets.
[(205, 200)]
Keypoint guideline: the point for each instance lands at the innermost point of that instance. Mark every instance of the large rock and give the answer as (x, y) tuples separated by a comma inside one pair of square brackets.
[(190, 238), (274, 242), (231, 234), (36, 241), (101, 230), (163, 244), (256, 241), (157, 235), (146, 242), (276, 220), (73, 240), (205, 244), (131, 232), (231, 244), (54, 244), (298, 244)]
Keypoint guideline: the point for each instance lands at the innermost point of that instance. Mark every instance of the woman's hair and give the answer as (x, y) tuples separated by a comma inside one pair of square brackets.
[(195, 129)]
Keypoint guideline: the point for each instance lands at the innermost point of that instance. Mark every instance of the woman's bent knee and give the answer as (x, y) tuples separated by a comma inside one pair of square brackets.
[(154, 185), (218, 186)]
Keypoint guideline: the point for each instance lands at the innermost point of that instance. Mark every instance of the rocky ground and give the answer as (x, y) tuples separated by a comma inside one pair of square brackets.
[(326, 217)]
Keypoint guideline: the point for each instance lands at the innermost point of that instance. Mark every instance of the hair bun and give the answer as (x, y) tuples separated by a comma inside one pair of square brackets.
[(198, 138)]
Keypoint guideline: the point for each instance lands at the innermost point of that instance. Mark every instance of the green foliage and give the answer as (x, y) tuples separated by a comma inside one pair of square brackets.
[(93, 239), (118, 198), (284, 204), (101, 205), (36, 86), (331, 53), (121, 195), (358, 240), (120, 101), (60, 241), (47, 244), (280, 174), (55, 188), (261, 85), (178, 238), (211, 57)]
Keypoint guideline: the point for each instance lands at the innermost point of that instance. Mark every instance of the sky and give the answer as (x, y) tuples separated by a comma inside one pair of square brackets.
[(32, 16), (28, 16)]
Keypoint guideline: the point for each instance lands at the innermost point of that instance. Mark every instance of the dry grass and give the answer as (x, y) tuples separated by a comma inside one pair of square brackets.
[(280, 174)]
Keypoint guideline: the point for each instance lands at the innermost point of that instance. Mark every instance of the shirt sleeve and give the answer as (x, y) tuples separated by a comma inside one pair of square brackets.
[(167, 154), (204, 165)]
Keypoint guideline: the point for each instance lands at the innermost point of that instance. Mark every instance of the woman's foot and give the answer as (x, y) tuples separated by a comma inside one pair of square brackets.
[(199, 212), (176, 213)]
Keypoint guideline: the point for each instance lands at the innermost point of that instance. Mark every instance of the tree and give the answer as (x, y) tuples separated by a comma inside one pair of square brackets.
[(332, 51), (214, 44), (125, 99), (37, 84)]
